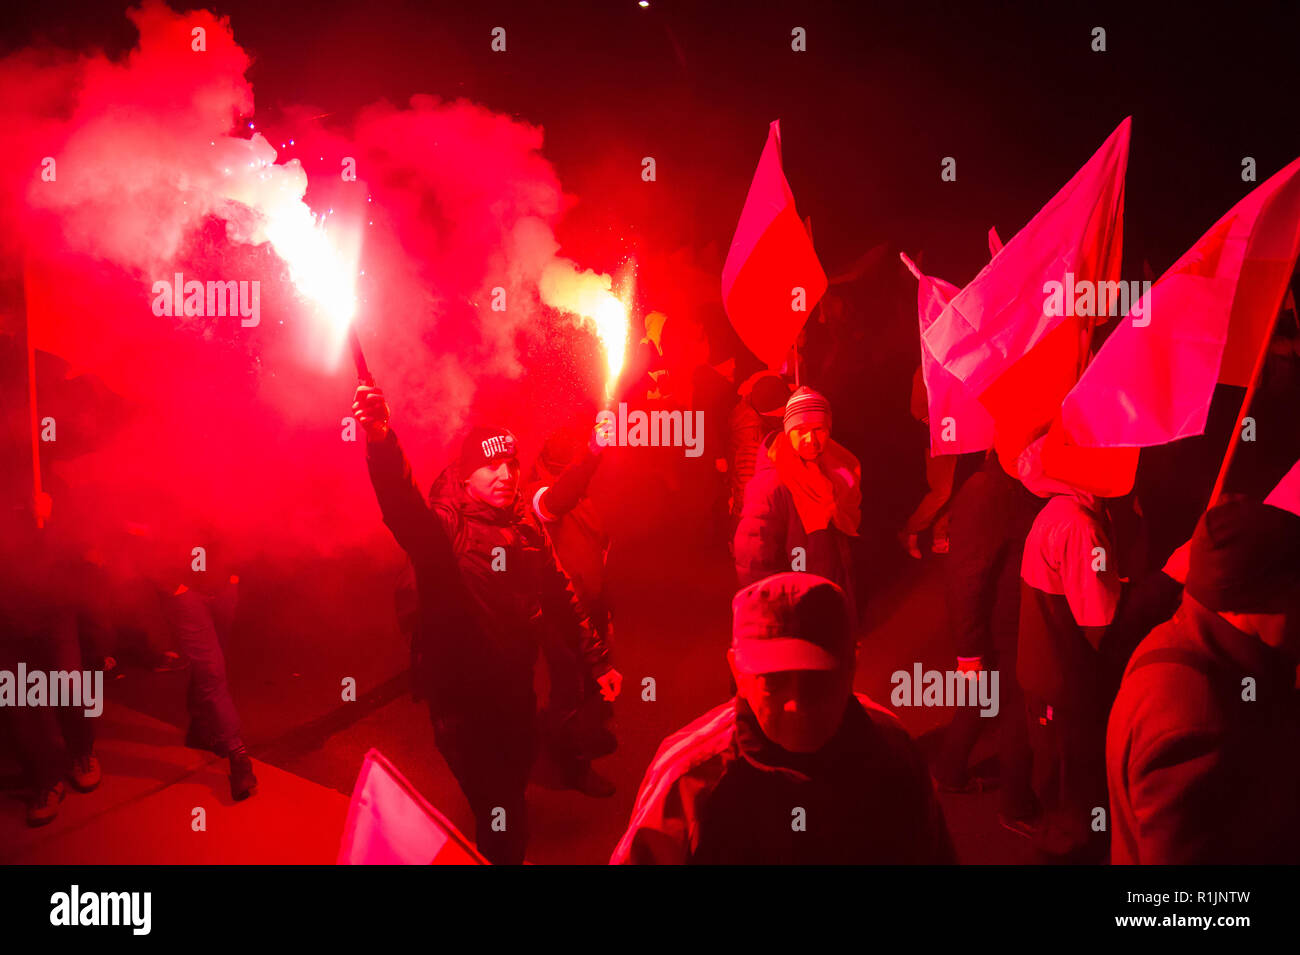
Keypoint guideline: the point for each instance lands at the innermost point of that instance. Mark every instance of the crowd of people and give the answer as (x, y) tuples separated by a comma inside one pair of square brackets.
[(1148, 710), (1045, 583)]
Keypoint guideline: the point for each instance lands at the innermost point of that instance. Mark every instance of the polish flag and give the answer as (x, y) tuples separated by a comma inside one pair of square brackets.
[(771, 279), (958, 423), (1205, 321), (390, 823), (995, 336)]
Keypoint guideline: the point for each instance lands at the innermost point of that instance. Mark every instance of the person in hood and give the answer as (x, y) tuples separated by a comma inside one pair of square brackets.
[(797, 769), (1201, 748), (803, 503), (488, 582)]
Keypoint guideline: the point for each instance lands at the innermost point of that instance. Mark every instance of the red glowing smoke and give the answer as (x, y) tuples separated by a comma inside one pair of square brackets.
[(156, 171)]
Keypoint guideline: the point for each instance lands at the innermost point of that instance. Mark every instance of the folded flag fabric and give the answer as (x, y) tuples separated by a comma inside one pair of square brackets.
[(390, 823), (958, 422), (998, 335)]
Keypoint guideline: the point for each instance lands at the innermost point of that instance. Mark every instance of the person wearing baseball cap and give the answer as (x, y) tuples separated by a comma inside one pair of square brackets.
[(803, 503), (1202, 744), (796, 768), (487, 583)]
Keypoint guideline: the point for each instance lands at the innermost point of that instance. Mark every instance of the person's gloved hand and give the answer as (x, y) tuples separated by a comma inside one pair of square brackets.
[(371, 410)]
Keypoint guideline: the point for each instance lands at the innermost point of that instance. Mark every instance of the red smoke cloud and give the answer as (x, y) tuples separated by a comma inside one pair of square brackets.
[(156, 171)]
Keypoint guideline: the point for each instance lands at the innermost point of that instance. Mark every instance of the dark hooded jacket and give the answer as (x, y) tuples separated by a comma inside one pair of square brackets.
[(720, 792), (486, 578), (1201, 772)]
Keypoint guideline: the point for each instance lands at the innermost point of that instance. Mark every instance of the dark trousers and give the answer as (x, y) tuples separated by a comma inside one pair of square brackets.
[(991, 517), (490, 749), (48, 737), (576, 720), (201, 626), (1069, 748)]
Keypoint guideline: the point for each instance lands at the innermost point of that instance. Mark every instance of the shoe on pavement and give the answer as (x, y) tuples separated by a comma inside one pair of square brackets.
[(939, 545), (45, 806), (242, 781), (85, 773)]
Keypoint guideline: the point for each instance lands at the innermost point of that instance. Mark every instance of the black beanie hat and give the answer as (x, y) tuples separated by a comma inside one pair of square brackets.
[(483, 446), (1245, 557)]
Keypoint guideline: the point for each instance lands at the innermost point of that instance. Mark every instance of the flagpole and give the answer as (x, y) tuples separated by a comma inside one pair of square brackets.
[(807, 224), (359, 358), (1235, 438)]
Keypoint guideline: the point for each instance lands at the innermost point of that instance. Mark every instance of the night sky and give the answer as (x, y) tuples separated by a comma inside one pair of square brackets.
[(1016, 95)]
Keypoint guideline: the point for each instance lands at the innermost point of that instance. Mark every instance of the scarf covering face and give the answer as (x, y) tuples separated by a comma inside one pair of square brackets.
[(825, 491)]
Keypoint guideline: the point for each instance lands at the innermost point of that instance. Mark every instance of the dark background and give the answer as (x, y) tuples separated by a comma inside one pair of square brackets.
[(883, 93)]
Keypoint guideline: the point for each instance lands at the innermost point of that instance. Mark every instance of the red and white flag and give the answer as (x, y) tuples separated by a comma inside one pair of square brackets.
[(772, 278), (997, 337), (390, 823), (1204, 322), (958, 423)]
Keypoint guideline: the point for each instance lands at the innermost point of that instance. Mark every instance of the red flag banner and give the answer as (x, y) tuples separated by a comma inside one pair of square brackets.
[(390, 823), (1204, 322), (958, 423), (772, 278), (998, 335)]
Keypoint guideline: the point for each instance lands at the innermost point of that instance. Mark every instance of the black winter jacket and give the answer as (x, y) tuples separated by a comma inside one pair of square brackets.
[(486, 579)]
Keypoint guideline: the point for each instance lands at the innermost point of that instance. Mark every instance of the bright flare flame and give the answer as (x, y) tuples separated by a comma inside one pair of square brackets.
[(588, 295), (320, 271), (611, 329), (322, 265)]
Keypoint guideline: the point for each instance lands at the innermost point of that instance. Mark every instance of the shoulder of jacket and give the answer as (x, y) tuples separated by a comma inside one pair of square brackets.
[(693, 745), (1164, 699), (886, 722)]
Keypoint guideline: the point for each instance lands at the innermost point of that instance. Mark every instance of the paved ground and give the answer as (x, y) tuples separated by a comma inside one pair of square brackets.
[(286, 671), (163, 804)]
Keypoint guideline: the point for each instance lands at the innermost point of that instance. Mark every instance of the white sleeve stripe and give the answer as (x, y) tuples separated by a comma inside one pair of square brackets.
[(537, 506)]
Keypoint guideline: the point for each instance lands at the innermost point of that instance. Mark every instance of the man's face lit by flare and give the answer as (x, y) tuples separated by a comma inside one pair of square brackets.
[(495, 484), (809, 441), (799, 710)]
